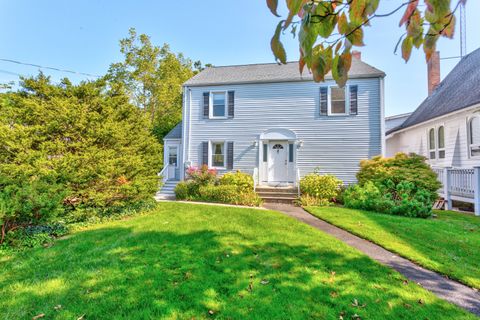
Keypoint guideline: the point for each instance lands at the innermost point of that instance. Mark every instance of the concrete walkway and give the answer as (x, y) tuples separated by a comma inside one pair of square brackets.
[(452, 291)]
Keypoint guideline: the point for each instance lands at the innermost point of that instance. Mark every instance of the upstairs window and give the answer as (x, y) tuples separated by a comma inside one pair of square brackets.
[(431, 143), (474, 137), (338, 104), (219, 107), (441, 142)]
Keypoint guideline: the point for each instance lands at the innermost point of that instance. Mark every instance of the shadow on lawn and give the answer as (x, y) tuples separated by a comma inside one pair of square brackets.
[(121, 273)]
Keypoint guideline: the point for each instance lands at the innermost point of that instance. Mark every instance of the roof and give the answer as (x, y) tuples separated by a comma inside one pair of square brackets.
[(394, 121), (459, 90), (271, 72), (175, 133)]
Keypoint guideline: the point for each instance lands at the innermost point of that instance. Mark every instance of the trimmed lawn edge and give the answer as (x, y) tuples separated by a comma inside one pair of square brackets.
[(393, 250)]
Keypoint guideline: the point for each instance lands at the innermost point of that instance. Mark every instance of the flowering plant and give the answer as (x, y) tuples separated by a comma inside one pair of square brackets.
[(202, 175)]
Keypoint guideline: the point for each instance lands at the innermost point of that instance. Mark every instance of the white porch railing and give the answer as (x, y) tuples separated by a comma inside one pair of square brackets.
[(460, 184), (297, 180), (255, 179), (164, 173)]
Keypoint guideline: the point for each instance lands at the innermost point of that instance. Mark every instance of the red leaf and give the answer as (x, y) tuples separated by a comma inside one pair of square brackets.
[(273, 5), (408, 13)]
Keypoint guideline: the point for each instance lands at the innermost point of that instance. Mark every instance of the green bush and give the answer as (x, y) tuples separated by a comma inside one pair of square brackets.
[(220, 193), (325, 188), (306, 200), (202, 176), (243, 181), (77, 148)]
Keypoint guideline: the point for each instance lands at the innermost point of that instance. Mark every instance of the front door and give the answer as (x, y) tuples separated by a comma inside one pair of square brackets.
[(278, 161), (172, 162)]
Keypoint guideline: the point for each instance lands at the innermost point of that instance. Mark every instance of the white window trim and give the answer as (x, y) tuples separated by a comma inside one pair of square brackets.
[(210, 105), (210, 154), (429, 146), (347, 102), (438, 142), (168, 158), (469, 138)]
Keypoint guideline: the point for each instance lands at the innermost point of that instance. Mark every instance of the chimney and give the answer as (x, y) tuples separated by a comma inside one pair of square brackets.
[(433, 72), (357, 54)]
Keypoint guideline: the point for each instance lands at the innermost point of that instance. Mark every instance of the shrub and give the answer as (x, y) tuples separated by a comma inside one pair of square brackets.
[(202, 176), (243, 181), (93, 146), (325, 188), (182, 190)]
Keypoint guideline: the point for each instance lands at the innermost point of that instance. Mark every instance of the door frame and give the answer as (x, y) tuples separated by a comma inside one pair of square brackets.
[(172, 169)]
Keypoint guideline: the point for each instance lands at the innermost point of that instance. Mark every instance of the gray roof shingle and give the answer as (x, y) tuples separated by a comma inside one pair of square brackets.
[(271, 72), (460, 89), (175, 133)]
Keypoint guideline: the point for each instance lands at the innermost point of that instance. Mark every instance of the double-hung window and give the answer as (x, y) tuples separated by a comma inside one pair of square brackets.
[(218, 105), (441, 142), (474, 137), (431, 143), (218, 154), (338, 101)]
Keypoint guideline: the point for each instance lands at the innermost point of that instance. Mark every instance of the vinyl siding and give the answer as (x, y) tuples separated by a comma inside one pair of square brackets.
[(335, 144), (415, 140)]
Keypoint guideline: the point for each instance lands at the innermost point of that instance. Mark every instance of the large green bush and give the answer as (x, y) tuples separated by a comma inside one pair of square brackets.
[(92, 147), (319, 189), (204, 185), (402, 185)]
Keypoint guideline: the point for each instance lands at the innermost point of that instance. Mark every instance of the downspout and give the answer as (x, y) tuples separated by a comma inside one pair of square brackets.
[(382, 115)]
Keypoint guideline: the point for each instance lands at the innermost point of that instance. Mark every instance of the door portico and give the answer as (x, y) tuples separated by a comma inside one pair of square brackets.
[(277, 155)]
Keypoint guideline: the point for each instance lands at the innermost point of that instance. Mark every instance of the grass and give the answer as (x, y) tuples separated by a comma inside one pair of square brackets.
[(449, 244), (185, 261)]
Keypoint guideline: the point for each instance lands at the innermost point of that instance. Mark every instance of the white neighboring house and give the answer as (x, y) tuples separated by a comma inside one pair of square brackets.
[(270, 121), (445, 128)]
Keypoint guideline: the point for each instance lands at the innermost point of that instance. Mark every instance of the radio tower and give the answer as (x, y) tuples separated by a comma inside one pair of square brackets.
[(463, 30)]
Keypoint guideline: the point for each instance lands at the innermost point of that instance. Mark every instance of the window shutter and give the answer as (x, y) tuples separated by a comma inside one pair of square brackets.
[(231, 104), (230, 155), (205, 153), (323, 101), (353, 99), (206, 104)]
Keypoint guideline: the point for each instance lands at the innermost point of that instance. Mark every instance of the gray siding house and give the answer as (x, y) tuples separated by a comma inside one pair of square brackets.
[(276, 124)]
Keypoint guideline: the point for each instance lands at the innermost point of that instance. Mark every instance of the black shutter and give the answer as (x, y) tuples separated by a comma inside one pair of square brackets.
[(323, 101), (205, 153), (231, 104), (353, 99), (230, 155), (206, 104)]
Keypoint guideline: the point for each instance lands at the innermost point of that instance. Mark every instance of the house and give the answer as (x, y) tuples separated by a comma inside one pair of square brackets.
[(445, 128), (276, 124)]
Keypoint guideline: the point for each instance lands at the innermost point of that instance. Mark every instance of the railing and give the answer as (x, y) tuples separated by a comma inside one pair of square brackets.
[(297, 180), (460, 184), (164, 173), (255, 178)]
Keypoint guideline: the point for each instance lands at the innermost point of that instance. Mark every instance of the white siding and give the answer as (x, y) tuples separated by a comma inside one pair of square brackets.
[(335, 144), (415, 140)]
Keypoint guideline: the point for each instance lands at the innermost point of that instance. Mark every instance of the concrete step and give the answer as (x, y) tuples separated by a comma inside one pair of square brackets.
[(162, 196), (276, 190), (283, 200)]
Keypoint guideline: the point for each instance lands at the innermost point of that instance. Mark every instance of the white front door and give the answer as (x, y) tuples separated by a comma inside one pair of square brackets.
[(278, 161), (172, 162)]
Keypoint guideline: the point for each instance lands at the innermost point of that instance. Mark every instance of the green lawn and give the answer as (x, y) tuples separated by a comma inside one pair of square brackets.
[(449, 244), (185, 261)]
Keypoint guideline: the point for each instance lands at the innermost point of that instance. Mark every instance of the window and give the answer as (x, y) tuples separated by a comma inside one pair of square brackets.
[(172, 156), (337, 101), (441, 142), (474, 137), (431, 143), (265, 152), (290, 152), (218, 154), (218, 109)]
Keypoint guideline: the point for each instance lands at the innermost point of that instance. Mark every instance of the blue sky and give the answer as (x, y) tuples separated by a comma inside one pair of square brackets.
[(83, 36)]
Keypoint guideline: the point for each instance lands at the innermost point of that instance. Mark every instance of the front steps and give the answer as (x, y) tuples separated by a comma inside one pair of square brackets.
[(285, 195), (168, 191)]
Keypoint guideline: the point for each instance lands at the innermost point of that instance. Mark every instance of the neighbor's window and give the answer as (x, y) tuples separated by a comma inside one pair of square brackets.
[(441, 142), (218, 104), (474, 136), (431, 143), (337, 101), (218, 154), (172, 156)]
